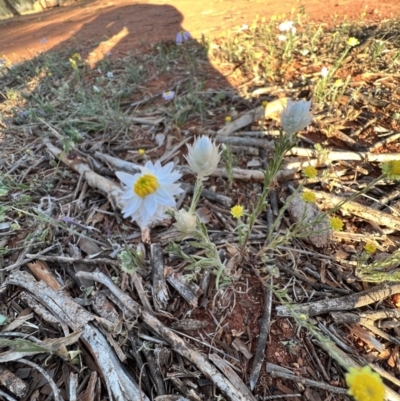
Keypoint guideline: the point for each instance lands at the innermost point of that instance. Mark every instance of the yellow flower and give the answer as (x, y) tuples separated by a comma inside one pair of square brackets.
[(338, 82), (370, 248), (76, 57), (308, 197), (353, 42), (228, 119), (391, 169), (336, 223), (141, 152), (237, 211), (310, 172), (264, 104), (365, 385)]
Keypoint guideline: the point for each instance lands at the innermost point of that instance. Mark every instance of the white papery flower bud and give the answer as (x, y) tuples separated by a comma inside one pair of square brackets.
[(296, 116), (185, 221), (203, 157)]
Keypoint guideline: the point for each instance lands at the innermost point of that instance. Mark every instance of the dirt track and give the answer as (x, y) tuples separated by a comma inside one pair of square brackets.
[(91, 22)]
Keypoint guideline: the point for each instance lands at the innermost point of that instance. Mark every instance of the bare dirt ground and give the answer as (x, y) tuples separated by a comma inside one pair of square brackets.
[(127, 25)]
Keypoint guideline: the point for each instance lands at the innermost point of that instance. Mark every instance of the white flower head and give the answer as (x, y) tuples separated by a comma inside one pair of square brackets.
[(149, 193), (169, 95), (282, 38), (185, 221), (324, 72), (110, 74), (203, 157), (96, 89), (296, 116), (285, 26)]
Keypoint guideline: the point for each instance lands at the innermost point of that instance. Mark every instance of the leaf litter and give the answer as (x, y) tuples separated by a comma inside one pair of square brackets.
[(81, 323)]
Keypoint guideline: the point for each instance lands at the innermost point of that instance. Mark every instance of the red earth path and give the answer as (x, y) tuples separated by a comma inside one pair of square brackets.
[(120, 26)]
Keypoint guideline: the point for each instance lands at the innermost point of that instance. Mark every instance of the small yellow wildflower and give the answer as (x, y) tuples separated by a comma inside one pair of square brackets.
[(391, 169), (336, 223), (308, 197), (76, 57), (365, 385), (370, 248), (338, 82), (228, 119), (141, 152), (310, 172), (264, 104), (237, 211), (352, 42)]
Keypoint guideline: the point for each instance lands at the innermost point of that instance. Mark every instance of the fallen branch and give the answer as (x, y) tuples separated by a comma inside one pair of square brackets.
[(329, 201), (347, 302)]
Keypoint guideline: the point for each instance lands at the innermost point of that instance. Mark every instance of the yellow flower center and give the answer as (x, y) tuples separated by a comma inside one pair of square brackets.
[(145, 185)]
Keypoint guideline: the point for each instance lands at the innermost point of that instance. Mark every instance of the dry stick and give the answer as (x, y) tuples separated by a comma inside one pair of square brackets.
[(262, 338), (72, 388), (223, 366), (66, 259), (348, 302), (209, 195), (6, 396), (311, 383), (138, 358), (160, 288), (179, 346), (94, 180), (329, 201), (24, 261), (311, 348), (56, 393), (336, 155)]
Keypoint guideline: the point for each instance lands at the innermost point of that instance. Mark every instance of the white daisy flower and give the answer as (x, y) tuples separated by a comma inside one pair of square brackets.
[(324, 72), (285, 26), (296, 116), (149, 193), (203, 156)]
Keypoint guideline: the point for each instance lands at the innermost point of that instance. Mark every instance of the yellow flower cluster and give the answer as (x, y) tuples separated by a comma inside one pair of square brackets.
[(237, 211), (336, 223), (310, 172), (391, 169), (308, 197), (365, 385), (370, 248)]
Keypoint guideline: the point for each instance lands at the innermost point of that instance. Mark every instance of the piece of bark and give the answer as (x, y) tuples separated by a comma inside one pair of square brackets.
[(190, 292), (306, 213), (160, 288), (263, 336), (13, 383), (240, 346), (232, 375), (41, 271)]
